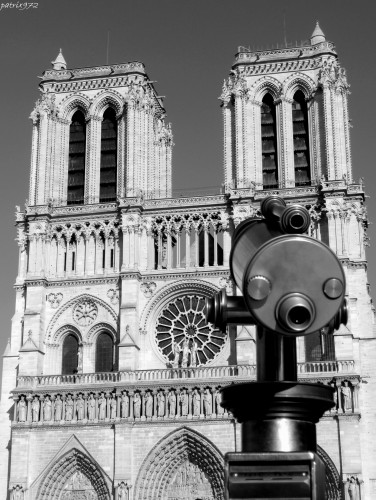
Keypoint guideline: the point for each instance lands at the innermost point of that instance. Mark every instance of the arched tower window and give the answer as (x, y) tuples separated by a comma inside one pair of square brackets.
[(76, 165), (319, 347), (70, 355), (301, 140), (104, 353), (269, 143), (107, 189)]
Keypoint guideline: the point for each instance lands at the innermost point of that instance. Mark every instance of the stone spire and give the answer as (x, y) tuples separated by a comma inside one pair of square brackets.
[(59, 62), (317, 35)]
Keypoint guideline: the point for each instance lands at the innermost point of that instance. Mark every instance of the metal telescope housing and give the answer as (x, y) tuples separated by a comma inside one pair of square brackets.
[(292, 284)]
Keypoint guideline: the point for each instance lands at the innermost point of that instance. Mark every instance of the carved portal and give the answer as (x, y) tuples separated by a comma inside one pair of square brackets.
[(189, 482), (183, 465)]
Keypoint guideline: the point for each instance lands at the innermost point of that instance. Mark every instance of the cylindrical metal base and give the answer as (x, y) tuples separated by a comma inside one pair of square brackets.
[(278, 416), (278, 435)]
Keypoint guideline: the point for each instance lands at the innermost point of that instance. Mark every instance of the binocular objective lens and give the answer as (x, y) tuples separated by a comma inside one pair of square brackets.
[(299, 315), (297, 221)]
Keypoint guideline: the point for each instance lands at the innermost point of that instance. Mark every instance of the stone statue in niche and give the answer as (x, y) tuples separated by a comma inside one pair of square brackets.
[(346, 397), (176, 353), (35, 407), (69, 408), (79, 358), (194, 354), (91, 407), (352, 488), (102, 407), (124, 405), (172, 403), (47, 409), (196, 397), (113, 407), (335, 397), (17, 493), (137, 405), (186, 351), (218, 401), (161, 400), (148, 405), (183, 399), (58, 408), (122, 492), (80, 407), (208, 407), (22, 409)]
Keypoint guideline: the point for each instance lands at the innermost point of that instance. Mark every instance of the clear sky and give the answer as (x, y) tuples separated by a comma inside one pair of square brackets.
[(188, 48)]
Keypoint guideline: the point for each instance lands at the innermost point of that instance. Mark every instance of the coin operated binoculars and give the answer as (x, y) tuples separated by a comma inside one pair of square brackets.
[(292, 285)]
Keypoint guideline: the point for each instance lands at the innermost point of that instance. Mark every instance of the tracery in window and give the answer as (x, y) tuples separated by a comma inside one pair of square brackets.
[(76, 165), (182, 325), (301, 140), (108, 168), (269, 143), (104, 353)]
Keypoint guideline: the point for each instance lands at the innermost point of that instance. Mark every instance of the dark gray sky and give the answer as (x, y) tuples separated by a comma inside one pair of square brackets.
[(187, 47)]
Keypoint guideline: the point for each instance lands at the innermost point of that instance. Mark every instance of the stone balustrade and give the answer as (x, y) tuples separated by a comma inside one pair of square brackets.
[(340, 366), (201, 372)]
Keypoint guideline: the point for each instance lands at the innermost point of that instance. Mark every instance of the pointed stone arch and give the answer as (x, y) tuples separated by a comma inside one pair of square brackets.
[(180, 446), (332, 479), (71, 461), (264, 85), (298, 81), (106, 99), (76, 102)]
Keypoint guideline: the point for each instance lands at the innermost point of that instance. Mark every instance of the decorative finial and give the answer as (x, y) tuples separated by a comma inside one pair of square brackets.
[(317, 35), (59, 62)]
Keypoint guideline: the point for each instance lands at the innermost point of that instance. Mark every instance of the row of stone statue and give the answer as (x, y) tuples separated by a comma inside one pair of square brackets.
[(164, 403)]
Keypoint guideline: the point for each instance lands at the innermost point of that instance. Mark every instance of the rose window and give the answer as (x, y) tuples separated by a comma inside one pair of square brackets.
[(182, 323), (85, 312)]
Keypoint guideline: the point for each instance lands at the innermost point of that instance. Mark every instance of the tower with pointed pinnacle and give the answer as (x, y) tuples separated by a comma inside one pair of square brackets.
[(112, 376)]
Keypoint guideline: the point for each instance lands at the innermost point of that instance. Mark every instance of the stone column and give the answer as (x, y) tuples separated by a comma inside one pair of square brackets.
[(206, 244), (187, 246), (15, 408), (228, 140), (131, 393), (29, 399)]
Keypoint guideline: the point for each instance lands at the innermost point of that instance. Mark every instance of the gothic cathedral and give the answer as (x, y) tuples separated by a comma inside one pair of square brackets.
[(112, 376)]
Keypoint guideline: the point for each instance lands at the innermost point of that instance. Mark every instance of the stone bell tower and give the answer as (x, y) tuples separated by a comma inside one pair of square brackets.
[(285, 117)]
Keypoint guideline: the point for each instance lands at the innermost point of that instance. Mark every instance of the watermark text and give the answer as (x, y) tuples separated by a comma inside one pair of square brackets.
[(19, 5)]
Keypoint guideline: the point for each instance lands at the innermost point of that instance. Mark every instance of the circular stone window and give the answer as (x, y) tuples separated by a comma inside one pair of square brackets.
[(183, 335)]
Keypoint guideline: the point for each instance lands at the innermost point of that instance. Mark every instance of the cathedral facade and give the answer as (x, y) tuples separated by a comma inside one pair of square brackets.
[(112, 376)]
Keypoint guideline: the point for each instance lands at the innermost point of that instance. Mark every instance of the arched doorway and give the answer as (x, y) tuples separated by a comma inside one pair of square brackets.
[(332, 479), (183, 465), (72, 477)]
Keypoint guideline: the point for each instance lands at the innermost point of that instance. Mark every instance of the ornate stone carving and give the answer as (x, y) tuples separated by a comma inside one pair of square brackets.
[(113, 295), (54, 299), (148, 288), (85, 312), (228, 284), (78, 487), (189, 482)]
